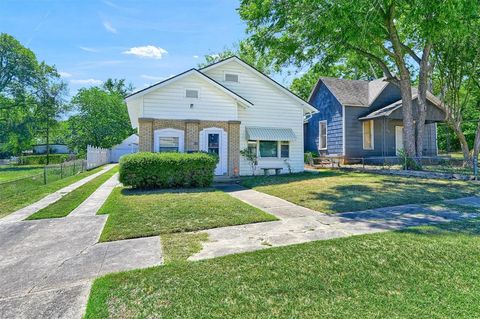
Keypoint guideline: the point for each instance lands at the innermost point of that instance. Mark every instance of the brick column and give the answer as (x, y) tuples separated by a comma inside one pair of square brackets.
[(145, 134), (191, 135), (233, 148)]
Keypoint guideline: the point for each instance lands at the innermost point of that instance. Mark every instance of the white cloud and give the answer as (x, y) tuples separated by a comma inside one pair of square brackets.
[(86, 82), (64, 74), (108, 26), (195, 56), (148, 51), (88, 49)]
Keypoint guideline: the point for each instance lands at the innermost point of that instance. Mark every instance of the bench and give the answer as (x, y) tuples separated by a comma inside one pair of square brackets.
[(267, 169), (329, 160)]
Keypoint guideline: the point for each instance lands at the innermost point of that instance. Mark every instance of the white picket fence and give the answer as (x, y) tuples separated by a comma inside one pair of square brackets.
[(97, 156)]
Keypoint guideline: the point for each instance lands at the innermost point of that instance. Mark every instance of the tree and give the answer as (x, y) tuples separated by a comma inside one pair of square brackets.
[(457, 58), (118, 86), (102, 118), (50, 104), (18, 73), (393, 34)]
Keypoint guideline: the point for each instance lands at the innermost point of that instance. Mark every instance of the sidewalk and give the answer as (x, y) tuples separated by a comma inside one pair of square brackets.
[(299, 225)]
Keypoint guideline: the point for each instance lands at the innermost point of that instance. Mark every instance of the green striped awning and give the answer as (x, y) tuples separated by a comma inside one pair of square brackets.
[(270, 134)]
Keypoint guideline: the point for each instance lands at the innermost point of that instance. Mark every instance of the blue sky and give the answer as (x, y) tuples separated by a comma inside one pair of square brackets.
[(141, 41)]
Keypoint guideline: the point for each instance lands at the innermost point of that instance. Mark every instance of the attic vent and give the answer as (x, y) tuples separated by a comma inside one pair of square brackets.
[(230, 77), (192, 94)]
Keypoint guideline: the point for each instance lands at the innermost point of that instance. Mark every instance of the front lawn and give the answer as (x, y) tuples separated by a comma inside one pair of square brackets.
[(69, 202), (423, 272), (148, 213), (333, 191), (14, 196)]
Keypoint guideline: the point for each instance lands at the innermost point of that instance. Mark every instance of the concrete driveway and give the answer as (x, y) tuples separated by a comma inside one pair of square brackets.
[(47, 266)]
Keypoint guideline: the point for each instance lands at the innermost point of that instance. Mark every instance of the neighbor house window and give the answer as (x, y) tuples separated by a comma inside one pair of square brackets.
[(284, 149), (322, 135), (231, 77), (191, 94), (268, 149), (368, 135), (168, 144)]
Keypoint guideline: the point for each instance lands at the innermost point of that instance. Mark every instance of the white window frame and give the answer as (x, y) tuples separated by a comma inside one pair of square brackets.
[(372, 132), (169, 132), (232, 73), (320, 134), (191, 98), (280, 148)]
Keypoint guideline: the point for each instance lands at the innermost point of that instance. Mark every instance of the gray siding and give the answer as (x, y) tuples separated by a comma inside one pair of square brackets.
[(384, 136), (330, 110)]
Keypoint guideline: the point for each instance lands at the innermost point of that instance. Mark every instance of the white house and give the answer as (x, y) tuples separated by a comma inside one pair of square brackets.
[(128, 146), (223, 108)]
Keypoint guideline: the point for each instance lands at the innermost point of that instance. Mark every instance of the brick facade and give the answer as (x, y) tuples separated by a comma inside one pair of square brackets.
[(192, 129)]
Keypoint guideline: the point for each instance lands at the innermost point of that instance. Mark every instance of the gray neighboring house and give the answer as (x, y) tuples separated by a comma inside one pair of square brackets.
[(360, 119)]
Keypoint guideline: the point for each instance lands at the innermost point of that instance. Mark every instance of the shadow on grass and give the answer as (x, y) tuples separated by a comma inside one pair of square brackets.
[(470, 227), (253, 181)]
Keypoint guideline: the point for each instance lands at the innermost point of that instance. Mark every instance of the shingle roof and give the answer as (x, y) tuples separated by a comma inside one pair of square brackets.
[(348, 92)]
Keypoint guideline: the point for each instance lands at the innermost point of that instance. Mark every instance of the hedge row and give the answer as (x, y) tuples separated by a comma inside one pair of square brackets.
[(167, 170), (42, 159)]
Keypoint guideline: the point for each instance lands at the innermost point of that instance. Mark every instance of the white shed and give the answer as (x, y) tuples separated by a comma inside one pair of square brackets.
[(128, 146)]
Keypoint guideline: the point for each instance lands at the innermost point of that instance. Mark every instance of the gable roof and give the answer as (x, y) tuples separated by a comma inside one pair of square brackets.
[(348, 92), (306, 105), (362, 93), (182, 75)]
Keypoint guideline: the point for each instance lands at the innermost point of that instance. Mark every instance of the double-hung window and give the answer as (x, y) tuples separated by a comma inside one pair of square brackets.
[(168, 144), (322, 135), (284, 149), (368, 135)]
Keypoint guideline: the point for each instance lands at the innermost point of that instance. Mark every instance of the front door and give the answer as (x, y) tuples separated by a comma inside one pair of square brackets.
[(398, 139), (213, 141)]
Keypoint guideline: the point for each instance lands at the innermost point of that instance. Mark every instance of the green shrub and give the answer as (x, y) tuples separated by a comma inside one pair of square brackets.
[(167, 170), (42, 159), (309, 156)]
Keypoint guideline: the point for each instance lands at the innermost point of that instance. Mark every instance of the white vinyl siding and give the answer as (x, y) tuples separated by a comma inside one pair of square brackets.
[(272, 108), (170, 102), (368, 134)]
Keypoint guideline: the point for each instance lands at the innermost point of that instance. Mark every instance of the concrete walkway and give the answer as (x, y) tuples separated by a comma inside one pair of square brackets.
[(47, 266), (23, 213), (299, 225)]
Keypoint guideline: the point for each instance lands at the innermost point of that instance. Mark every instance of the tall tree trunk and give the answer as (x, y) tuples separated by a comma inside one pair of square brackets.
[(476, 144), (403, 82), (467, 159), (423, 78)]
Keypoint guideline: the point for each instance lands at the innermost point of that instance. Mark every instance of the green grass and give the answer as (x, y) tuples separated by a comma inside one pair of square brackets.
[(148, 213), (332, 191), (177, 247), (69, 202), (10, 173), (14, 196), (423, 272)]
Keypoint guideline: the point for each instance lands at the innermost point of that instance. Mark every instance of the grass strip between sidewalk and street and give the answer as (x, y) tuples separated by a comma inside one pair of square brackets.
[(429, 271), (72, 200)]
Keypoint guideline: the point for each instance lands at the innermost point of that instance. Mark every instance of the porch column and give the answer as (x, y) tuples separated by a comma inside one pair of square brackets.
[(145, 134), (233, 148), (191, 135)]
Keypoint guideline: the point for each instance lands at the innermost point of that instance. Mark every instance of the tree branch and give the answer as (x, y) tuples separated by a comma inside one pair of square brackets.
[(411, 53)]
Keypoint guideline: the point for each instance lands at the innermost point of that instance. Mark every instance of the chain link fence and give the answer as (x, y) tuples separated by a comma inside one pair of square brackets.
[(49, 174)]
